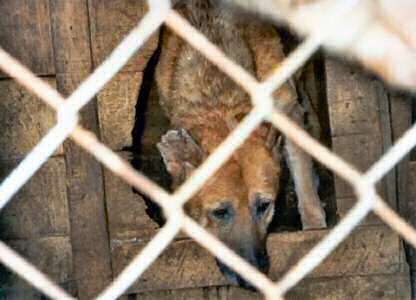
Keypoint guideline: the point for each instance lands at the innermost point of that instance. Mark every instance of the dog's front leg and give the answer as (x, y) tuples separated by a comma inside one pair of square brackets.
[(300, 165)]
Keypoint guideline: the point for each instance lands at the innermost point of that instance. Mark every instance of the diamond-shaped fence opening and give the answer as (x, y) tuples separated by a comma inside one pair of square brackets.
[(261, 94)]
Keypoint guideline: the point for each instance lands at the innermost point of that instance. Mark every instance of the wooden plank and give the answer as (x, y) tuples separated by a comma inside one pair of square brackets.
[(111, 20), (386, 134), (364, 252), (117, 109), (352, 99), (395, 286), (401, 118), (358, 111), (52, 255), (127, 216), (24, 120), (41, 207), (344, 205), (89, 237), (361, 150), (410, 215), (369, 250), (182, 294), (25, 33), (401, 115), (71, 37)]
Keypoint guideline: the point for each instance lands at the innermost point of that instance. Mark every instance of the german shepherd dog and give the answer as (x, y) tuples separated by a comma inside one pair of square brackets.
[(203, 104)]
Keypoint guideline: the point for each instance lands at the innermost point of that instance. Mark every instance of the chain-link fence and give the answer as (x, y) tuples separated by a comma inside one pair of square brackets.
[(261, 95)]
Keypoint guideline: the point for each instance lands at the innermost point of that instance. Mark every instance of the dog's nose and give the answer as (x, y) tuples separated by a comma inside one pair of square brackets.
[(234, 278), (261, 262)]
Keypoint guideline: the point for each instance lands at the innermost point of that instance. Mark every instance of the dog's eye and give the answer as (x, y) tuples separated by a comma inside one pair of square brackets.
[(262, 206), (222, 213)]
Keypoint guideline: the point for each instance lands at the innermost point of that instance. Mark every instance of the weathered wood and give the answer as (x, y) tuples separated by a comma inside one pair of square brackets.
[(361, 150), (410, 214), (127, 218), (385, 287), (41, 206), (352, 99), (183, 294), (345, 204), (71, 37), (111, 20), (24, 120), (359, 135), (89, 237), (52, 255), (25, 33), (395, 286), (401, 117), (117, 109), (369, 250), (386, 136)]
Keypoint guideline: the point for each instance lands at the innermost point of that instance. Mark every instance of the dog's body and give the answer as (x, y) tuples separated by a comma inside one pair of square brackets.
[(203, 104)]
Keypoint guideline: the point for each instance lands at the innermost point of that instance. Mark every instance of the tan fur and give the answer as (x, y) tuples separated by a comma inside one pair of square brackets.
[(199, 98)]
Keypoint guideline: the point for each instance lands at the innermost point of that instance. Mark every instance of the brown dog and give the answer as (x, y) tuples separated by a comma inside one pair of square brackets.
[(203, 104)]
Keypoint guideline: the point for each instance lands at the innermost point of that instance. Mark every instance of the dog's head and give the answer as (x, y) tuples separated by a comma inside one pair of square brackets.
[(237, 203)]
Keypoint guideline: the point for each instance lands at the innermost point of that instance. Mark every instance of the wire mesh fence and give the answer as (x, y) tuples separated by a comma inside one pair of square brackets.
[(159, 13)]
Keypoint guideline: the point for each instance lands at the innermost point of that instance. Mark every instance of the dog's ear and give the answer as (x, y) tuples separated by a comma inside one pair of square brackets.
[(180, 153), (274, 142)]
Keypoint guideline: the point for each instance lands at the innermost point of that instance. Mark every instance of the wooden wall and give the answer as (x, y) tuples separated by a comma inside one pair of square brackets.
[(81, 225)]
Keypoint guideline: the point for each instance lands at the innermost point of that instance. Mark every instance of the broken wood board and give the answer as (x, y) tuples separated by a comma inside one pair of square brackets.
[(127, 217), (117, 109), (111, 20)]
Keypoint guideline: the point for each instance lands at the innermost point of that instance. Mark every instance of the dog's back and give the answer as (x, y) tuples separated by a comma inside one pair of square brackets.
[(191, 87)]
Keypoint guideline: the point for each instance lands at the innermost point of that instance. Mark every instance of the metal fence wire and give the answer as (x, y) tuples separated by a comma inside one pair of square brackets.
[(159, 13)]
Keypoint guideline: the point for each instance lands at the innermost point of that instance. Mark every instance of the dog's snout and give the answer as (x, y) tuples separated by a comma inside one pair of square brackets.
[(254, 255), (258, 259)]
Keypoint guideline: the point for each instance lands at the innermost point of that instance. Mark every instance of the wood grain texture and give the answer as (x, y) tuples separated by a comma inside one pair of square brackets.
[(26, 34), (410, 214), (352, 99), (117, 109), (24, 120), (127, 218), (384, 287), (361, 150), (111, 20), (71, 37), (358, 111), (401, 106), (41, 207), (52, 255), (401, 120), (89, 236), (369, 250)]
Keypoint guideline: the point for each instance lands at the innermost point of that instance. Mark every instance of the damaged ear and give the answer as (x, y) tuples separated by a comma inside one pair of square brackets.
[(274, 142), (180, 153)]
